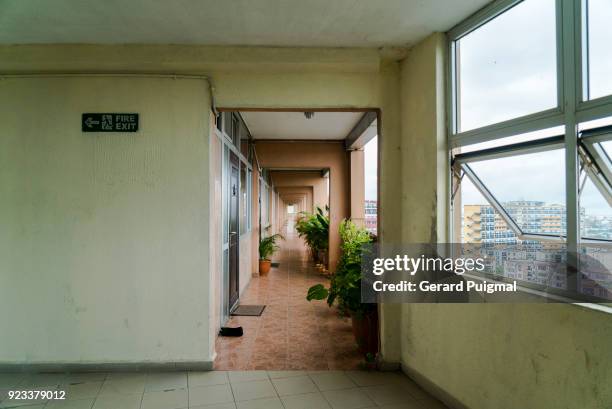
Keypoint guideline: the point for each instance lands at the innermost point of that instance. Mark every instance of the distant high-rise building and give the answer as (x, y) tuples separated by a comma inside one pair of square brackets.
[(482, 224), (371, 216)]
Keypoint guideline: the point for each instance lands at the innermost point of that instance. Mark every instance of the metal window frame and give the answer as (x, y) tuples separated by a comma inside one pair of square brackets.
[(573, 105), (597, 163), (461, 163), (515, 126)]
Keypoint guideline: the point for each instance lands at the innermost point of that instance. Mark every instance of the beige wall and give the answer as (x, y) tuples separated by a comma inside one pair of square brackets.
[(241, 77), (319, 155), (357, 175), (216, 233), (502, 356), (320, 195), (104, 245)]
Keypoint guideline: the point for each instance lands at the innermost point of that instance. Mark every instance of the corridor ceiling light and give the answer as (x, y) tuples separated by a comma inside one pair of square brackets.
[(309, 114)]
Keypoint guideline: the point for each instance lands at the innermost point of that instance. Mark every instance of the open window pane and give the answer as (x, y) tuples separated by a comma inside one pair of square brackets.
[(607, 147), (530, 187), (485, 233), (599, 38), (507, 67), (595, 213), (480, 223)]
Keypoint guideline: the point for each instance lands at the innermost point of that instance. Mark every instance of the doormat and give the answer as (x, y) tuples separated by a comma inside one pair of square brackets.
[(249, 310)]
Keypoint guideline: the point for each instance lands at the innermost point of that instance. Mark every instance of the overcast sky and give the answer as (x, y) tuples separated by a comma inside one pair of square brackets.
[(508, 69)]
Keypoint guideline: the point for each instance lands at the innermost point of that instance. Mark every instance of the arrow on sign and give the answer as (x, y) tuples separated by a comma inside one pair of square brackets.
[(90, 122)]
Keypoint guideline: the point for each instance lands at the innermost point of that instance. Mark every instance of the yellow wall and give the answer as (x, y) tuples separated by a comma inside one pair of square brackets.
[(104, 238), (482, 356), (124, 267), (315, 155)]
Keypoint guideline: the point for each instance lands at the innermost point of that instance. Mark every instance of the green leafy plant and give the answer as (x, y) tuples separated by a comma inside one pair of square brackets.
[(314, 229), (345, 283), (268, 246)]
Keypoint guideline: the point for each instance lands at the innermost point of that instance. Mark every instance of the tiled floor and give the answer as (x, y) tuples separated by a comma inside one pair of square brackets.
[(223, 390), (292, 333)]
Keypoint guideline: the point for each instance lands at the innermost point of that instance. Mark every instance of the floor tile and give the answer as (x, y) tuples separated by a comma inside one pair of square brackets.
[(84, 377), (270, 341), (268, 403), (430, 403), (306, 401), (253, 390), (163, 381), (370, 378), (118, 401), (406, 405), (209, 395), (285, 374), (327, 381), (41, 380), (128, 386), (172, 399), (81, 390), (245, 376), (388, 394), (348, 399), (8, 380), (207, 378), (231, 405), (294, 385), (70, 404)]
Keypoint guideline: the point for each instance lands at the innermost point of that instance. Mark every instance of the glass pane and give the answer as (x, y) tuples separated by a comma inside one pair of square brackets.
[(607, 147), (484, 233), (507, 67), (599, 40), (244, 207), (530, 187), (226, 186), (530, 136), (480, 223), (595, 213)]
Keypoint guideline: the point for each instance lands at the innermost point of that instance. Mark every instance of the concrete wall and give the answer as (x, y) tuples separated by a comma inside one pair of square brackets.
[(320, 195), (104, 252), (318, 155), (502, 356), (85, 275)]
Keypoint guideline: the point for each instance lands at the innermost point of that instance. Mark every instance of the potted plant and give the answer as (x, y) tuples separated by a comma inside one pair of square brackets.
[(345, 288), (314, 229), (267, 247)]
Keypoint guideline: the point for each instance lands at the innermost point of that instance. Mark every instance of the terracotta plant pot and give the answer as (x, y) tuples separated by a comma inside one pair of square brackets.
[(264, 267), (365, 330)]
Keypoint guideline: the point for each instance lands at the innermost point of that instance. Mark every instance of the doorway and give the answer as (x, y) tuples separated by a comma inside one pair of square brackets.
[(234, 236)]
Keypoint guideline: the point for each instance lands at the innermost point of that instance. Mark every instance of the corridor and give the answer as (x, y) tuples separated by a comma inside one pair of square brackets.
[(292, 333)]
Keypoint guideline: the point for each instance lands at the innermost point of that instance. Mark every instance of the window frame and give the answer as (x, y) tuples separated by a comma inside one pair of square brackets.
[(572, 106)]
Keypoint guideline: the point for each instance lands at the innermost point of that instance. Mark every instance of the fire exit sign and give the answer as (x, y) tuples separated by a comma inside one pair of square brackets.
[(109, 122)]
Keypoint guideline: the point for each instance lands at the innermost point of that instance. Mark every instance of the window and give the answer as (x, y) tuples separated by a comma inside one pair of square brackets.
[(530, 188), (598, 39), (523, 177), (264, 200), (244, 199), (506, 68)]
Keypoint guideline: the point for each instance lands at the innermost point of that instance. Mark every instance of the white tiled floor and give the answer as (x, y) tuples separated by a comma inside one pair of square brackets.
[(223, 390)]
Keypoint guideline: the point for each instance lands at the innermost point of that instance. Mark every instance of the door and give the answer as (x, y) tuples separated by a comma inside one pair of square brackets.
[(234, 236)]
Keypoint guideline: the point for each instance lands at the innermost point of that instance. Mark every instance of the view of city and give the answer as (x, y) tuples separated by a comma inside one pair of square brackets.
[(533, 261)]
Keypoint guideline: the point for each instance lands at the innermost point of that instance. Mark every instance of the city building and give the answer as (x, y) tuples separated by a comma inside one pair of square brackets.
[(371, 216)]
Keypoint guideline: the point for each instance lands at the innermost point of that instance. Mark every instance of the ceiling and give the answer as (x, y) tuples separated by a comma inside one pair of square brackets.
[(328, 126), (312, 23)]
